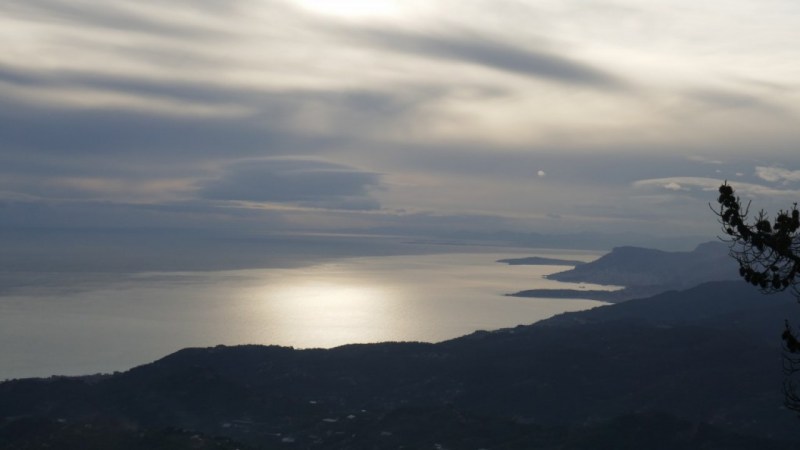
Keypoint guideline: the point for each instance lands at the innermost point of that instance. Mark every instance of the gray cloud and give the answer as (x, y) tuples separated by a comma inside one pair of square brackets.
[(706, 99), (59, 139), (98, 133), (704, 160), (186, 91), (262, 102), (706, 188), (218, 219), (485, 51), (111, 15), (304, 182), (276, 122), (597, 166)]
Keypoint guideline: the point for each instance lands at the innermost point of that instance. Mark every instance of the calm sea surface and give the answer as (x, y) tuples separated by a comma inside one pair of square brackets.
[(110, 325)]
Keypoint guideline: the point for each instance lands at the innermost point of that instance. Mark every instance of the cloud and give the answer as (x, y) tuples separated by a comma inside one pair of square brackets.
[(59, 139), (705, 184), (485, 51), (775, 174), (598, 166), (298, 181), (185, 217), (155, 118), (722, 100), (704, 160), (673, 186), (541, 173), (709, 185), (116, 16), (116, 189)]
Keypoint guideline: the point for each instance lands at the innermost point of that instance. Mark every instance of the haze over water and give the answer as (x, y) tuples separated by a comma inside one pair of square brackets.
[(134, 319)]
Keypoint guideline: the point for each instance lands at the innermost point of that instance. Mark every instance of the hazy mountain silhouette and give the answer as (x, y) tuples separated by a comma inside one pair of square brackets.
[(643, 272), (636, 266)]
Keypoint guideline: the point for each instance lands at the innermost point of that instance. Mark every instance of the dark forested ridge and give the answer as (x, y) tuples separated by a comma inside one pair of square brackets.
[(693, 369)]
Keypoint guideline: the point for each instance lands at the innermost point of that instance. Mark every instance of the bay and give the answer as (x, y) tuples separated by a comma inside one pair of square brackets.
[(114, 324)]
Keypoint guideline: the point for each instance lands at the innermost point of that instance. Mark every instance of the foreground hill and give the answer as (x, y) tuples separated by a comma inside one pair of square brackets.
[(698, 369)]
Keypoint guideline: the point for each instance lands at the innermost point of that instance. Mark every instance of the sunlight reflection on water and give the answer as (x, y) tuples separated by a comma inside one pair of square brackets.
[(333, 311)]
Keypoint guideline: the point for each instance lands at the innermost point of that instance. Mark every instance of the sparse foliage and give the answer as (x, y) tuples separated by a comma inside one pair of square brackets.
[(768, 253)]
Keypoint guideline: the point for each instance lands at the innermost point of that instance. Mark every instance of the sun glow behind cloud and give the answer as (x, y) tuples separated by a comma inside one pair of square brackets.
[(351, 8)]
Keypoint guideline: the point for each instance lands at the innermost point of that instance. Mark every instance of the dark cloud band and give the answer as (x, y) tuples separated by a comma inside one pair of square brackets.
[(303, 182)]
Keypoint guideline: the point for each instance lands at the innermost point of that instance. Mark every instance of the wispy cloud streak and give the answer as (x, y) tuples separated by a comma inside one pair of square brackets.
[(497, 55)]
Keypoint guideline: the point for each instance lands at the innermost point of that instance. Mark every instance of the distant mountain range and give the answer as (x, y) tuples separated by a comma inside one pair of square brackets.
[(695, 369), (643, 272)]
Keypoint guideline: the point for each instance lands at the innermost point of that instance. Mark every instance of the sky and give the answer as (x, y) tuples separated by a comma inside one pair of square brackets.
[(409, 117)]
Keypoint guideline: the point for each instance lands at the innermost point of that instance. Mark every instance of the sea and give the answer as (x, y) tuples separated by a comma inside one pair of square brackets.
[(107, 324)]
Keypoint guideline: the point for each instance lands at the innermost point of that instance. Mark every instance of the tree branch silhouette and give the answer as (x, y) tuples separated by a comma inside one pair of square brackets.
[(768, 253)]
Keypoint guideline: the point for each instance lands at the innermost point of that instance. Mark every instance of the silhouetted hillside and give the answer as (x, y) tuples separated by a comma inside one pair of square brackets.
[(643, 272), (636, 266), (694, 369)]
